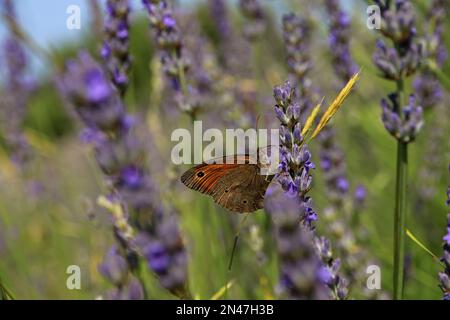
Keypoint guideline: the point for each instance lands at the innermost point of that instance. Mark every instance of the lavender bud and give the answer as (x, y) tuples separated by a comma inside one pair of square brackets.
[(402, 122), (114, 267), (115, 50)]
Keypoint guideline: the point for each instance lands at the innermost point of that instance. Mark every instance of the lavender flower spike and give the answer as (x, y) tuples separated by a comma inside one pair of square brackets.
[(115, 50), (302, 273), (396, 63), (168, 39), (296, 34), (405, 57), (427, 87), (256, 18), (444, 277), (339, 40), (172, 50), (120, 155), (15, 93)]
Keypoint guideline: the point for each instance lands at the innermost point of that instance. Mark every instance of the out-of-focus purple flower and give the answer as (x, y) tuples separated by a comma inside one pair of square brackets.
[(339, 40), (172, 49), (132, 290), (302, 274), (397, 62), (444, 277), (393, 65), (165, 254), (404, 58), (296, 34), (295, 157), (335, 282), (218, 10), (157, 257), (433, 160), (427, 88), (115, 50), (402, 122), (96, 102), (114, 267), (332, 162), (16, 91), (256, 23), (168, 38), (360, 194), (119, 153), (297, 39)]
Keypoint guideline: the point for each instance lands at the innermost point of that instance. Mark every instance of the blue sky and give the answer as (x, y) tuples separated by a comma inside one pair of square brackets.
[(45, 20)]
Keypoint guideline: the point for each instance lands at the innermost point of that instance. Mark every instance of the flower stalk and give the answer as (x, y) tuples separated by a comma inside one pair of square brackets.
[(400, 218)]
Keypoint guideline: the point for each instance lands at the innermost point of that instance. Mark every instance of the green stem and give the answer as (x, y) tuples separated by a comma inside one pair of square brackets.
[(400, 209), (5, 294), (442, 77)]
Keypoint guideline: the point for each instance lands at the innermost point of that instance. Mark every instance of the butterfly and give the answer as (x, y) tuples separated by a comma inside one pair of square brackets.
[(236, 183)]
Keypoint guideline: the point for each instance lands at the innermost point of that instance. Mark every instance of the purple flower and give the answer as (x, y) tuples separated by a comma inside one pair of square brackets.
[(157, 257), (402, 122), (131, 177), (296, 34), (115, 50), (15, 92), (169, 22), (300, 265), (172, 50), (256, 23), (444, 277), (342, 184), (93, 96), (333, 165), (119, 154), (219, 16), (404, 58), (297, 40), (427, 88), (296, 211), (114, 267), (360, 194), (132, 290), (98, 88), (339, 40), (446, 238)]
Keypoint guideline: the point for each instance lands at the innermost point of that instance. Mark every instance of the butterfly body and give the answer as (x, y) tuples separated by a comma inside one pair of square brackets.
[(234, 183)]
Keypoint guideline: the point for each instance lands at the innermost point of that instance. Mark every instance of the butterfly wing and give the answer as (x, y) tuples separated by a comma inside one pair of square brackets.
[(241, 189), (234, 183), (205, 176)]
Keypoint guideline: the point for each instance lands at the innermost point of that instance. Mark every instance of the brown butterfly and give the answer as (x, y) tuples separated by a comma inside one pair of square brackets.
[(239, 186), (236, 185)]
